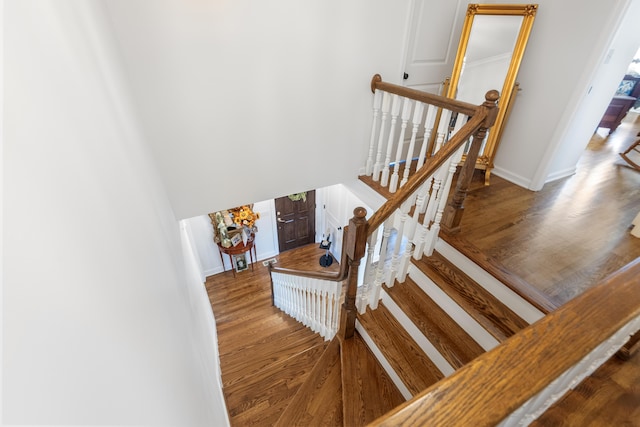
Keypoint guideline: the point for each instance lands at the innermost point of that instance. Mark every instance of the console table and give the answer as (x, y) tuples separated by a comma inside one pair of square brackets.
[(239, 249)]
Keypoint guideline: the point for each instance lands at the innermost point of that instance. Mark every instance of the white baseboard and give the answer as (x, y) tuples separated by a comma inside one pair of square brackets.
[(511, 177), (492, 285), (560, 174), (213, 271), (259, 257)]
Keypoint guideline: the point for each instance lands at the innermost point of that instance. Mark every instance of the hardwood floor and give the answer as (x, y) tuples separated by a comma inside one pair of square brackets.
[(571, 234), (265, 355), (562, 240)]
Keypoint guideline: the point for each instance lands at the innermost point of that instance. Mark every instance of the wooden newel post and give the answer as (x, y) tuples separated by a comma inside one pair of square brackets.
[(356, 243), (452, 215)]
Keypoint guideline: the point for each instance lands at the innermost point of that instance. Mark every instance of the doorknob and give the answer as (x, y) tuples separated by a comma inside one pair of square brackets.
[(281, 220)]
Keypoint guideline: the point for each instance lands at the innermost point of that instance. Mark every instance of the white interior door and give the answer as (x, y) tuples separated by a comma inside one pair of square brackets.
[(432, 42)]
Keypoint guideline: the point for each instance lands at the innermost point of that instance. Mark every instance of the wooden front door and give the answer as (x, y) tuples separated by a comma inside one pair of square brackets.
[(296, 221)]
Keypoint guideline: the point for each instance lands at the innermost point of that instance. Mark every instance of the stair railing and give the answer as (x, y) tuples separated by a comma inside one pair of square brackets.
[(409, 222), (311, 297), (517, 381)]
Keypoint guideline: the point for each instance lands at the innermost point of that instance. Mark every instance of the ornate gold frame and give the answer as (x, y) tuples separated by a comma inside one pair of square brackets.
[(509, 88)]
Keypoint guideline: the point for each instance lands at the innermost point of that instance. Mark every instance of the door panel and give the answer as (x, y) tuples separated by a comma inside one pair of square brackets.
[(433, 42), (296, 221)]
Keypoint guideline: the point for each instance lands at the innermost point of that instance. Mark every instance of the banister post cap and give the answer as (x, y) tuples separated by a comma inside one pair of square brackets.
[(492, 96), (360, 212), (377, 78)]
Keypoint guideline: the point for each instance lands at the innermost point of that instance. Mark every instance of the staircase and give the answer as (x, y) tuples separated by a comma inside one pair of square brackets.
[(424, 329), (445, 328)]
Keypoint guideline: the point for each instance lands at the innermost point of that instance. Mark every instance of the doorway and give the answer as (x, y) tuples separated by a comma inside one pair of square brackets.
[(296, 220)]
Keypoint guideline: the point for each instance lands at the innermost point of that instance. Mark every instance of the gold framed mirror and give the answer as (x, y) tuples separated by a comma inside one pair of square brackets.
[(492, 44)]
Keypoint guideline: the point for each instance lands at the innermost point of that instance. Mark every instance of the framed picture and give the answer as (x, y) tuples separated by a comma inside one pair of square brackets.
[(241, 262), (236, 239)]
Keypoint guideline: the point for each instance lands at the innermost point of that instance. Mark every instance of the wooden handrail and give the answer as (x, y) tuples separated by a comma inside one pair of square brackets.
[(426, 97), (338, 276), (490, 388)]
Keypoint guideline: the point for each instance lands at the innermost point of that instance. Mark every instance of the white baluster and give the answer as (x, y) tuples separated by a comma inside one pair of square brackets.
[(311, 314), (338, 299), (432, 202), (395, 260), (386, 103), (405, 262), (443, 130), (316, 307), (428, 130), (414, 221), (302, 307), (406, 113), (434, 230), (375, 294), (369, 273), (311, 297), (420, 233), (323, 311), (333, 308), (416, 120), (377, 102), (395, 111)]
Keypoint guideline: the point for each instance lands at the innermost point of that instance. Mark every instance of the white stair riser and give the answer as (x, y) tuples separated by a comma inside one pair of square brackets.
[(508, 297)]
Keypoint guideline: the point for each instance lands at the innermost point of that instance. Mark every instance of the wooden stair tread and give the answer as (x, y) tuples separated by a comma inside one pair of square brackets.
[(319, 400), (486, 309), (542, 302), (367, 390), (261, 398), (453, 342), (255, 357), (407, 359)]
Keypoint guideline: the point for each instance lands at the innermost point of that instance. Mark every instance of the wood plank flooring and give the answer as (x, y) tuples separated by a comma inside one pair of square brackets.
[(571, 234), (265, 355), (563, 240)]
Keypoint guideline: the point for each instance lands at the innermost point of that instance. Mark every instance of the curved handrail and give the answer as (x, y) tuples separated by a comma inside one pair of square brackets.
[(491, 387), (338, 276)]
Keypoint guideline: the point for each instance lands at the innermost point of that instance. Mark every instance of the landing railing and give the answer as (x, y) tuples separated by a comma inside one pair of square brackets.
[(312, 298), (311, 301), (501, 387)]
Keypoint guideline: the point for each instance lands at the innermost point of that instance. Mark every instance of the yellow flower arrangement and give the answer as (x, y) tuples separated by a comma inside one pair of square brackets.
[(244, 216)]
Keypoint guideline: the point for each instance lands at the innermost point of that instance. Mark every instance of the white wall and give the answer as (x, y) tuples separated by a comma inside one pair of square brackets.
[(98, 325), (568, 40), (239, 97), (593, 97)]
